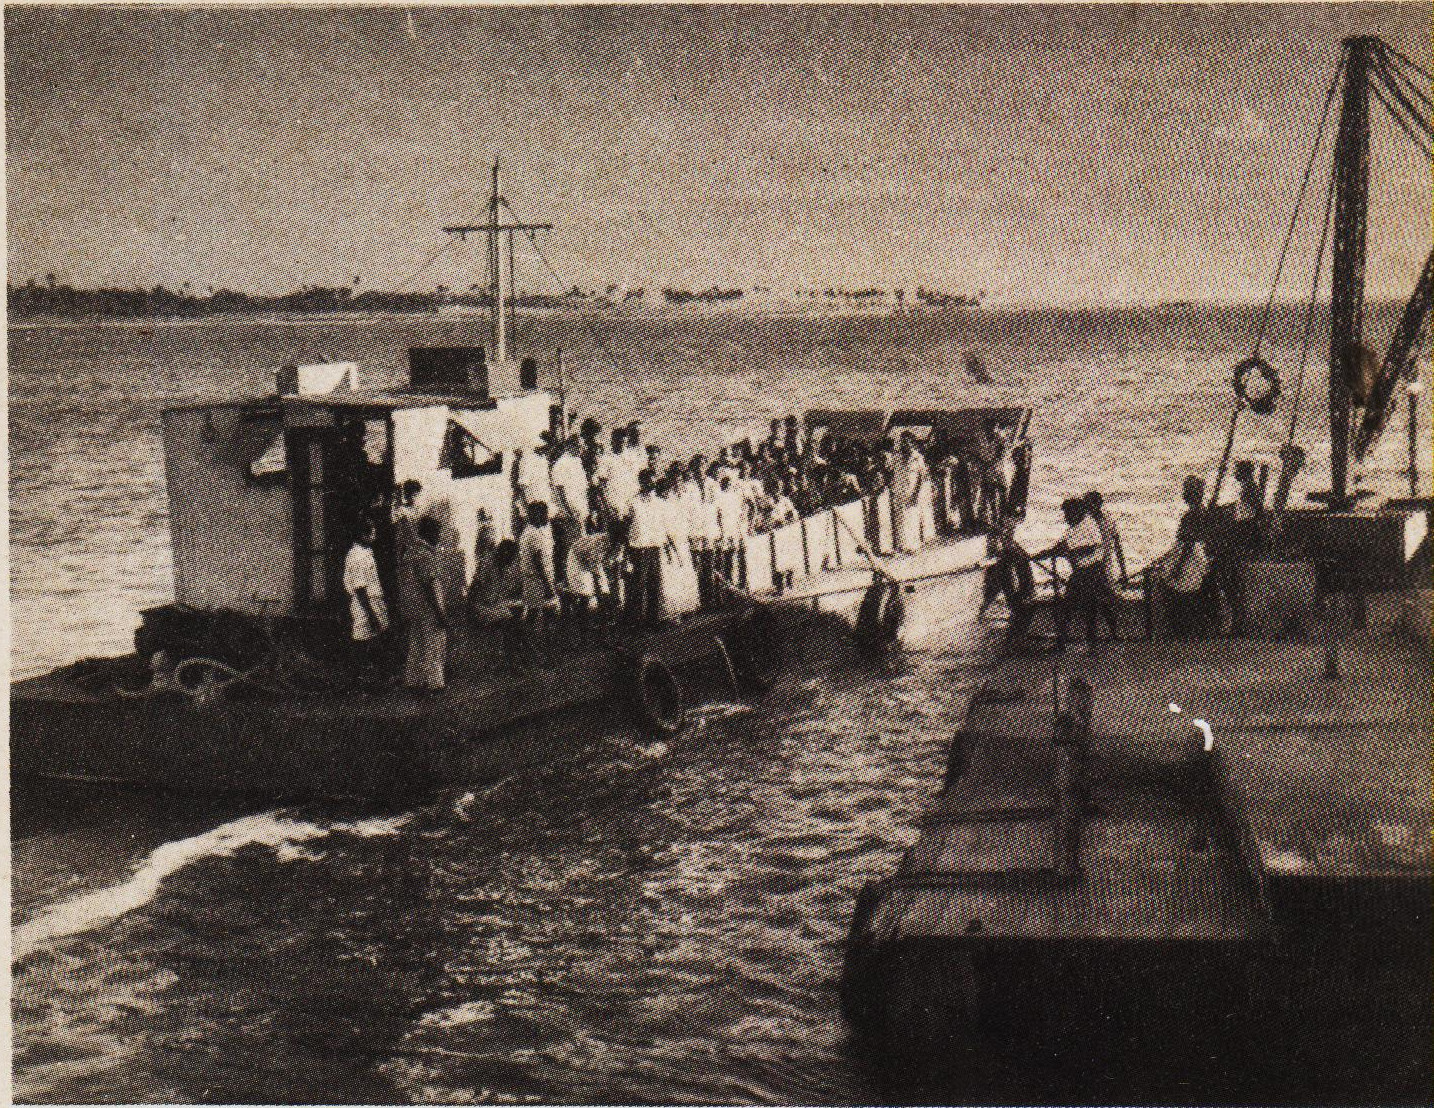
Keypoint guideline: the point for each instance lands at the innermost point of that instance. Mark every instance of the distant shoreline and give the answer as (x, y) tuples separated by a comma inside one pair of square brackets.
[(749, 309), (303, 319)]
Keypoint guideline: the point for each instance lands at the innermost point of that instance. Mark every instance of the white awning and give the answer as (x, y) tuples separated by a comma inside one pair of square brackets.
[(494, 429)]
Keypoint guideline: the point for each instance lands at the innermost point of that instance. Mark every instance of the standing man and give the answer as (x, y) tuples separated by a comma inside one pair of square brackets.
[(616, 478), (1010, 577), (534, 482), (368, 615), (426, 615), (730, 519), (570, 502), (646, 536), (1081, 546), (989, 456), (1112, 558), (405, 515), (535, 564), (911, 484)]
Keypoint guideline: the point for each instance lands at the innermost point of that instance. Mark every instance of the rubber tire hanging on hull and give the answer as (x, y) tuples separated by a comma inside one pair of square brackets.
[(756, 649), (878, 621), (659, 700)]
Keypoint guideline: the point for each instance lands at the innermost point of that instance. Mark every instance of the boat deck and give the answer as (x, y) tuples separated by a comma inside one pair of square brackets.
[(480, 679), (1313, 779)]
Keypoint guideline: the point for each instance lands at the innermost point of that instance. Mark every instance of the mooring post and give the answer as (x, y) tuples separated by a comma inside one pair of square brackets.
[(1071, 738), (1069, 770)]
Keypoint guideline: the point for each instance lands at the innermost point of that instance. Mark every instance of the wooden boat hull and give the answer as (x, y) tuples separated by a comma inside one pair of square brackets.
[(393, 743), (1271, 894), (487, 723)]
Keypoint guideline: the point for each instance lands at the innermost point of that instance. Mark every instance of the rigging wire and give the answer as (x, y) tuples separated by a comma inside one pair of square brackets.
[(1420, 142), (448, 244), (1409, 84), (558, 282), (1414, 124), (1299, 202), (1308, 337), (1407, 60)]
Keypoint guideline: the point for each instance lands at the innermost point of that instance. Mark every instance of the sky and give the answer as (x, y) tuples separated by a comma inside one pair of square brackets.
[(1041, 153)]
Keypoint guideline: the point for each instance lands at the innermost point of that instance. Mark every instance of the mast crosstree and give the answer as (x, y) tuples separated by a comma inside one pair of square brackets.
[(500, 261)]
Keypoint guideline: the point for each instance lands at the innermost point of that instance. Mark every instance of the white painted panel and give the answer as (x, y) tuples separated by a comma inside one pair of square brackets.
[(850, 532), (232, 538), (788, 545), (821, 549), (757, 549)]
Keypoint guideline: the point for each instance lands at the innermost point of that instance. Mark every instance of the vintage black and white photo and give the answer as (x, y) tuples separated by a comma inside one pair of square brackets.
[(720, 554)]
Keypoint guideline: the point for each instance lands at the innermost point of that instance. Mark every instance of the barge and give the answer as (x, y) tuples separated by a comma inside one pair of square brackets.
[(1197, 867)]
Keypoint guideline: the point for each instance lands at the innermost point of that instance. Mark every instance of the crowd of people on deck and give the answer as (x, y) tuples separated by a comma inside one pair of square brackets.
[(611, 530)]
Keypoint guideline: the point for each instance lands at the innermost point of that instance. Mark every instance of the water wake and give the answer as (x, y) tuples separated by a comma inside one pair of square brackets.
[(271, 829)]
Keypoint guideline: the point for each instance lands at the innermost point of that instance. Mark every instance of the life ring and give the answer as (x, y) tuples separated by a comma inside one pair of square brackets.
[(879, 619), (755, 647), (1261, 397), (658, 696)]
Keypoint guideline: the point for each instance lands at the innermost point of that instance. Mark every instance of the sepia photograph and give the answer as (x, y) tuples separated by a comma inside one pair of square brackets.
[(803, 554)]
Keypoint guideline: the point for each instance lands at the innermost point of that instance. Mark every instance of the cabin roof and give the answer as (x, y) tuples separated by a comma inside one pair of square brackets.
[(875, 423), (357, 400), (384, 399)]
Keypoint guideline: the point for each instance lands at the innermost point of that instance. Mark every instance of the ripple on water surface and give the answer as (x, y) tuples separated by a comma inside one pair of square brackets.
[(644, 921)]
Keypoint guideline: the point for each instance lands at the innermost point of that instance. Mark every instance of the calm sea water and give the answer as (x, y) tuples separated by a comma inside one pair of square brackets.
[(637, 922)]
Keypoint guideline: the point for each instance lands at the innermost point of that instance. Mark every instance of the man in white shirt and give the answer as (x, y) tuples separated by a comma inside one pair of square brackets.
[(646, 537), (783, 511), (535, 565), (368, 614), (617, 477), (911, 487), (570, 502), (426, 613), (534, 482), (1083, 547), (592, 565), (731, 525)]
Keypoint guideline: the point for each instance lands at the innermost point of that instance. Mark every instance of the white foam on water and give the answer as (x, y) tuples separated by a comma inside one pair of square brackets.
[(270, 829), (474, 1011), (718, 710)]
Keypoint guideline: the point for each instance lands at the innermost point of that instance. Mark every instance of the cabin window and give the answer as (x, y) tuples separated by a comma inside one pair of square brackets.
[(375, 441), (464, 456), (272, 466)]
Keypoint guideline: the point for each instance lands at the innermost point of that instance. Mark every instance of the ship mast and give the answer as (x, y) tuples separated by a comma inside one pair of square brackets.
[(1351, 184), (500, 262)]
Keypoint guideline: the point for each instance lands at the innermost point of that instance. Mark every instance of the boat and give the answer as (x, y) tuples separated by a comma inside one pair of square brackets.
[(1198, 868), (245, 682)]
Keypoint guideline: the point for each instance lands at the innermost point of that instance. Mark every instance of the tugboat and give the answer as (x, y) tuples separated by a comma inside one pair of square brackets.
[(1197, 868), (246, 681)]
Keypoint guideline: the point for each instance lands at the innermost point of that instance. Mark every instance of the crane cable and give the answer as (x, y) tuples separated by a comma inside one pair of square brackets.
[(1407, 61), (1409, 83), (1410, 121), (1254, 359), (1299, 202), (1308, 338)]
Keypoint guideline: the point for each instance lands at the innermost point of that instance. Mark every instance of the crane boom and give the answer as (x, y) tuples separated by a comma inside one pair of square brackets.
[(1397, 362)]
